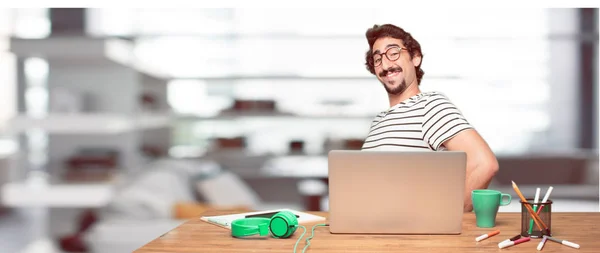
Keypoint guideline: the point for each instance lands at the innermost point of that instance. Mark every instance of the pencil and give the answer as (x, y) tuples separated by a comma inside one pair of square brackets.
[(536, 218)]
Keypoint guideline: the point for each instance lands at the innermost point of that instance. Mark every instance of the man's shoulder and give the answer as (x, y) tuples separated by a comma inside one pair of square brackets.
[(434, 97), (416, 101)]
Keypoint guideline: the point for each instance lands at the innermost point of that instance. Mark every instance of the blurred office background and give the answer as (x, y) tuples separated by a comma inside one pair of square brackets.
[(116, 125)]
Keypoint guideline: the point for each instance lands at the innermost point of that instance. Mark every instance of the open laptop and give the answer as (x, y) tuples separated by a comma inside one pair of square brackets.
[(389, 192)]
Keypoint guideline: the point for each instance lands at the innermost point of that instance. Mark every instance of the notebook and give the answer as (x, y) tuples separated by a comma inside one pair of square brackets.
[(224, 221)]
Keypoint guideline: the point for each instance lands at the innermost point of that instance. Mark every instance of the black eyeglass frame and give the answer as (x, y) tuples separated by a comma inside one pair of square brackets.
[(389, 57)]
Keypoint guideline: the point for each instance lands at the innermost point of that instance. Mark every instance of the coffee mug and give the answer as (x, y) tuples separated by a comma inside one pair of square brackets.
[(485, 205)]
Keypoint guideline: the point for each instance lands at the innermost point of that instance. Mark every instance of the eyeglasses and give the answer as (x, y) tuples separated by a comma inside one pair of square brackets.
[(393, 53)]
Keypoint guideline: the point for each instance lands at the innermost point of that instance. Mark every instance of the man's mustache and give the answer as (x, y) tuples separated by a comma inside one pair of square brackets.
[(386, 71)]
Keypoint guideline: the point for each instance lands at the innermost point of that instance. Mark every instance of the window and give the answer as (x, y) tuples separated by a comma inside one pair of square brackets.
[(8, 87), (502, 73), (30, 23)]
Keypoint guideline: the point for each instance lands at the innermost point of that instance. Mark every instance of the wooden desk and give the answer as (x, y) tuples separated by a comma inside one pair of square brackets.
[(198, 236)]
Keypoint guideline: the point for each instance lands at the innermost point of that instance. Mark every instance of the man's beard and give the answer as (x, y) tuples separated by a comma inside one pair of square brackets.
[(394, 91)]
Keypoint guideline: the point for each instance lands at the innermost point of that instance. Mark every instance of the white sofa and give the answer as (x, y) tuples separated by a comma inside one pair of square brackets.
[(141, 210)]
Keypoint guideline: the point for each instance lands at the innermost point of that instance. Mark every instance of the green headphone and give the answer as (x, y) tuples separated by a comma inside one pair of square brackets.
[(281, 225)]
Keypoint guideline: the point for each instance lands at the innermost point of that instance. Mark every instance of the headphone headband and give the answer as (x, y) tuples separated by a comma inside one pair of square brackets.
[(250, 226)]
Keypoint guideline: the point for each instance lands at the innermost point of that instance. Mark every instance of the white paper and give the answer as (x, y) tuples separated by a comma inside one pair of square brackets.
[(225, 220)]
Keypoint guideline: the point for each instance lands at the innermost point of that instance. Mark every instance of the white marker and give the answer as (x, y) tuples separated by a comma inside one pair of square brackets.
[(563, 242), (545, 199), (490, 234), (514, 238), (547, 196), (541, 244), (537, 196)]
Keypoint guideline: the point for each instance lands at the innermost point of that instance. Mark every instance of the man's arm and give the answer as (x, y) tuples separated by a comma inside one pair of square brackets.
[(481, 162)]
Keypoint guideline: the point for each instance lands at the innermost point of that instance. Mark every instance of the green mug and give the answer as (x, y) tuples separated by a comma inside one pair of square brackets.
[(485, 205)]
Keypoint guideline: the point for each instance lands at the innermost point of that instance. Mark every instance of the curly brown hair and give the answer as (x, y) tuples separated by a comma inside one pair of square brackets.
[(389, 30)]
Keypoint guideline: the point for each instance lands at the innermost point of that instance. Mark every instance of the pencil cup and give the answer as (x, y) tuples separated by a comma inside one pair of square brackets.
[(528, 226)]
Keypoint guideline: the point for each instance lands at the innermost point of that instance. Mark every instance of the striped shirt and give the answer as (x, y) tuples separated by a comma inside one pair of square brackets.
[(421, 123)]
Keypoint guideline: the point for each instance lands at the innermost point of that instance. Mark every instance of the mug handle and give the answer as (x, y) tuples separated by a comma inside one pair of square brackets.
[(502, 203)]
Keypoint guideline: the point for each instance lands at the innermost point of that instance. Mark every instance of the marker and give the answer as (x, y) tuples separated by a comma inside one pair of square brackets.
[(547, 194), (490, 234), (563, 242), (545, 199), (511, 243), (535, 201), (541, 244), (537, 195), (514, 238)]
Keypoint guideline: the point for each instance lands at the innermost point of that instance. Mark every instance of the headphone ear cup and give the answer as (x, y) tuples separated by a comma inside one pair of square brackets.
[(283, 224), (292, 220)]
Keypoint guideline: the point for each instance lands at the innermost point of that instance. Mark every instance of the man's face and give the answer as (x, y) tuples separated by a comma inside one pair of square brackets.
[(394, 74)]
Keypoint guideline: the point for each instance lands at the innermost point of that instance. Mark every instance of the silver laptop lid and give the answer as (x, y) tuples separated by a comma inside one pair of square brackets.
[(396, 192)]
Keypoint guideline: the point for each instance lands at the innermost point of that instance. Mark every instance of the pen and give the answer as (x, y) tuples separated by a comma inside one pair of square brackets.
[(514, 238), (541, 244), (490, 234), (219, 222), (563, 242), (511, 243)]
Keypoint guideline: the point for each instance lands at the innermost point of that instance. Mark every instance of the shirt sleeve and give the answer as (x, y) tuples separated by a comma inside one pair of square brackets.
[(442, 121)]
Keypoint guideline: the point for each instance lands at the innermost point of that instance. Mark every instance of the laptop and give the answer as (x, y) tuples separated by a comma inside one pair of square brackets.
[(390, 192)]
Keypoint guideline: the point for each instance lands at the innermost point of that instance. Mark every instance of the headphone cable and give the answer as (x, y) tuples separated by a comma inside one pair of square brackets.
[(312, 234), (299, 238)]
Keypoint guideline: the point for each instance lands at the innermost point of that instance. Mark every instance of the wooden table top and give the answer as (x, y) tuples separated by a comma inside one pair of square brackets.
[(196, 235)]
